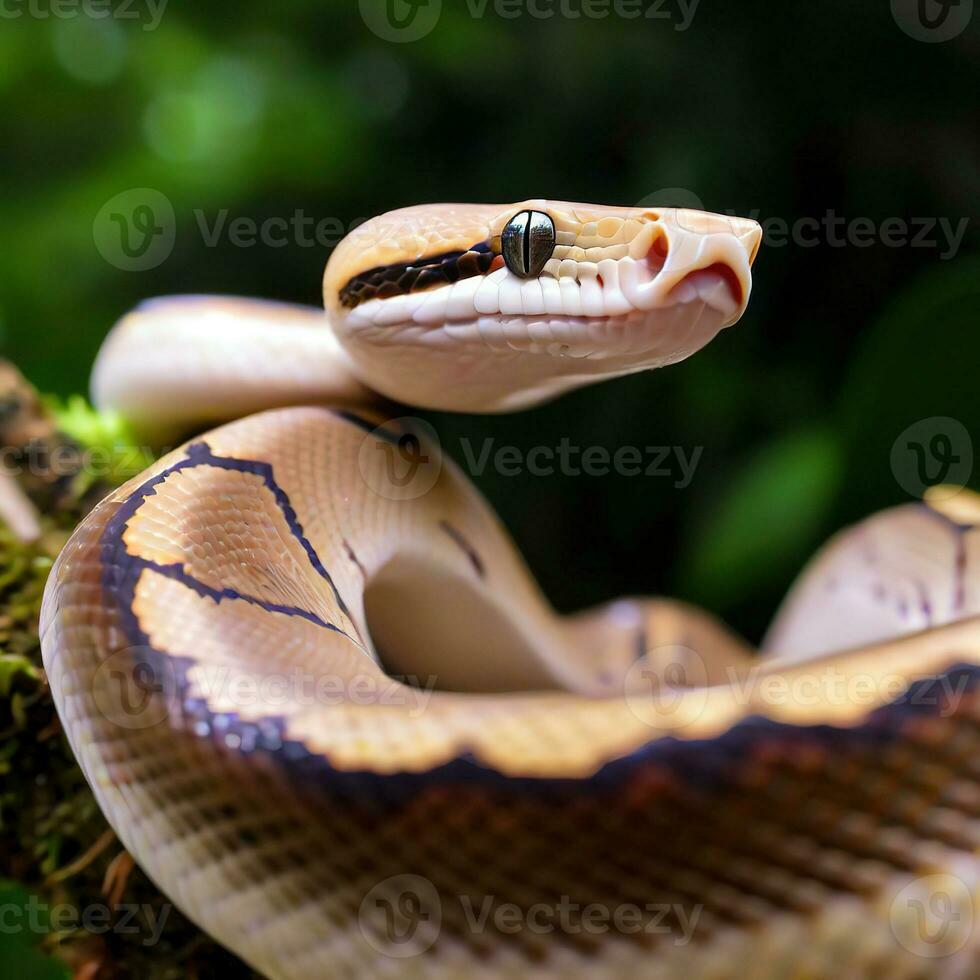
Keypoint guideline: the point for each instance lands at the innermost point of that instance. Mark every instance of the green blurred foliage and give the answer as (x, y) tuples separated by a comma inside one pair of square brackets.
[(19, 955), (780, 111), (775, 505)]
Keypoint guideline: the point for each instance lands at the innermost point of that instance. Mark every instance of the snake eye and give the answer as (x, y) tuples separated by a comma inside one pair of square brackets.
[(527, 242)]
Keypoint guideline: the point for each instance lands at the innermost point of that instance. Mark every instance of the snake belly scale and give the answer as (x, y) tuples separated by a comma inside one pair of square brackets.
[(326, 708)]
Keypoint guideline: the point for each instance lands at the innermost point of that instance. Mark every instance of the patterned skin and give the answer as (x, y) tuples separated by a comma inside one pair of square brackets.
[(323, 703)]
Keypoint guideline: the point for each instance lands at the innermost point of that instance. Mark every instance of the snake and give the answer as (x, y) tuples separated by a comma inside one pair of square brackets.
[(320, 699)]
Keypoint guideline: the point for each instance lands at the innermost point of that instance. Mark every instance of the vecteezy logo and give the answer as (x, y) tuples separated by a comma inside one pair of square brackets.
[(401, 916), (682, 200), (135, 688), (409, 448), (932, 916), (942, 9), (932, 20), (667, 685), (400, 20), (940, 452), (400, 460), (671, 197), (930, 452), (135, 230)]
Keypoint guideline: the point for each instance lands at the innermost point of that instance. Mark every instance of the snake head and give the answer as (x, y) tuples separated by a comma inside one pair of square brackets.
[(492, 308)]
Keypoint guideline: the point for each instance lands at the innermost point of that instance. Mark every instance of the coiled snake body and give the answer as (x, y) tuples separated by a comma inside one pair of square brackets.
[(323, 704)]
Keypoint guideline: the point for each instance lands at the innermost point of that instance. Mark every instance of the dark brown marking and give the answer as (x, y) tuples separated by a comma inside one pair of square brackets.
[(401, 278), (475, 560), (640, 643), (353, 557), (959, 574)]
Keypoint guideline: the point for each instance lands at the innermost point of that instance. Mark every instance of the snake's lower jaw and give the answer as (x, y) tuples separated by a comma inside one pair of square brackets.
[(498, 364)]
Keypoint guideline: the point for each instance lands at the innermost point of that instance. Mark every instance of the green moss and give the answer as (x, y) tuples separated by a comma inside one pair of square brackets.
[(109, 446), (56, 849)]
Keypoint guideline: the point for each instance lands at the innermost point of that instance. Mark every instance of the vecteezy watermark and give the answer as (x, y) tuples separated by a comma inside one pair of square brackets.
[(402, 917), (933, 916), (680, 13), (136, 688), (239, 691), (148, 12), (573, 918), (932, 452), (667, 686), (298, 229), (830, 229), (412, 20), (671, 197), (400, 20), (932, 20), (569, 459), (51, 462), (402, 459), (135, 230), (837, 231), (123, 918)]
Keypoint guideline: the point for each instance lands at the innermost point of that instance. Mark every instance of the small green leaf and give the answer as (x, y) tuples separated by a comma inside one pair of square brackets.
[(111, 446)]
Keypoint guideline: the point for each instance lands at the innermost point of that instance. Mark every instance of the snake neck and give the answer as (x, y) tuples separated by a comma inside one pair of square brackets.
[(176, 365)]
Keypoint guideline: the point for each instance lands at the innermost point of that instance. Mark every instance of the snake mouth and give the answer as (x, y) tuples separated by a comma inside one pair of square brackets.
[(634, 311), (718, 287), (611, 292)]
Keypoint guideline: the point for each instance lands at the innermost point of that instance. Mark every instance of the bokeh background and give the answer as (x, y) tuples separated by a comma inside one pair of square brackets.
[(785, 112)]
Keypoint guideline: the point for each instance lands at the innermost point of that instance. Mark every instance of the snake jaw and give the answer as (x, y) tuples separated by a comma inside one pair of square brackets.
[(625, 289)]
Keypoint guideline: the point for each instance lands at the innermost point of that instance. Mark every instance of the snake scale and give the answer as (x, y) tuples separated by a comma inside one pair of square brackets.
[(322, 702)]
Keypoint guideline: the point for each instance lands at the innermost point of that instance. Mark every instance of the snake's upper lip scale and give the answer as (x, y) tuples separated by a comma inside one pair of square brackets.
[(627, 287)]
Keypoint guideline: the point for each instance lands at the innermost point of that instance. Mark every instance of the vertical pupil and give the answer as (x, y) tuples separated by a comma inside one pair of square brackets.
[(527, 242)]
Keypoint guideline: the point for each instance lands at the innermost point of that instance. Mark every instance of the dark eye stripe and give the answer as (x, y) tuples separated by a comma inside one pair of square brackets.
[(385, 281)]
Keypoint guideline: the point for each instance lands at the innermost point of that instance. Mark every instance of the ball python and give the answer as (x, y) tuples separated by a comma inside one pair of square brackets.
[(322, 702)]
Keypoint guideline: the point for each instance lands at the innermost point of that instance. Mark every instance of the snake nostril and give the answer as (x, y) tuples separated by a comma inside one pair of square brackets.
[(657, 254)]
